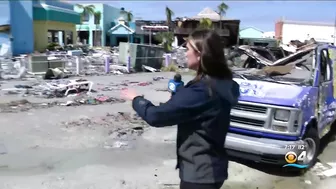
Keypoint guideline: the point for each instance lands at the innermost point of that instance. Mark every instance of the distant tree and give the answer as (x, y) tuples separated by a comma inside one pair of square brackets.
[(222, 8), (166, 39), (169, 15), (87, 10), (205, 23), (97, 18)]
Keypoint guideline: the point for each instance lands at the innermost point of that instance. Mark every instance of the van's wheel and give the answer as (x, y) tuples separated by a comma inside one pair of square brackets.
[(312, 146)]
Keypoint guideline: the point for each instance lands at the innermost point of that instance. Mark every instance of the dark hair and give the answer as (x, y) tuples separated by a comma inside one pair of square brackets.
[(177, 77), (213, 62)]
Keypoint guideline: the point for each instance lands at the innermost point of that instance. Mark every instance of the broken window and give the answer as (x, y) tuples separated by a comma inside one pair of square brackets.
[(85, 17)]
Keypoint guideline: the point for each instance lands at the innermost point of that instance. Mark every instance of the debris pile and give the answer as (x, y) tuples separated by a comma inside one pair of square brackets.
[(120, 124), (53, 89), (122, 85), (89, 100), (12, 68), (25, 105), (77, 60), (180, 58)]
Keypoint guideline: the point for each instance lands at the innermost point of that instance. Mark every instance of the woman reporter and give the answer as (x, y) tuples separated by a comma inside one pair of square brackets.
[(202, 112)]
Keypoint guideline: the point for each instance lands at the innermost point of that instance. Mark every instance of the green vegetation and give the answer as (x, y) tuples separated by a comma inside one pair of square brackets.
[(205, 23), (222, 8)]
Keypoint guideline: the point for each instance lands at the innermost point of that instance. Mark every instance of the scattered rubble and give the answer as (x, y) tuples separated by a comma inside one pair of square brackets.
[(25, 105), (158, 78), (179, 56), (149, 69), (53, 89), (122, 126), (77, 60)]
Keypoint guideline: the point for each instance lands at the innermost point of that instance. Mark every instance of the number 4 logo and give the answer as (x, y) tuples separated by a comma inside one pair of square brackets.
[(302, 156)]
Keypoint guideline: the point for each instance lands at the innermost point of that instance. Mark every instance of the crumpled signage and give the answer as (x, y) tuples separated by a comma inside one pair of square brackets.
[(261, 89), (251, 89)]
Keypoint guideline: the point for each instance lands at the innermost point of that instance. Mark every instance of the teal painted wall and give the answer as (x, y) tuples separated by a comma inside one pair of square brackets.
[(111, 14), (250, 33), (55, 11), (52, 15), (108, 14)]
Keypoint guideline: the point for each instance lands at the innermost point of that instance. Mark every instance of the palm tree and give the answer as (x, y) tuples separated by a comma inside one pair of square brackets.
[(205, 23), (97, 18), (169, 15), (87, 10), (222, 8), (129, 18), (166, 39)]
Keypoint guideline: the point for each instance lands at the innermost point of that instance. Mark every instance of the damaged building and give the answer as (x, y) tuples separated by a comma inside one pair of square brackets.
[(36, 24), (228, 29), (287, 30)]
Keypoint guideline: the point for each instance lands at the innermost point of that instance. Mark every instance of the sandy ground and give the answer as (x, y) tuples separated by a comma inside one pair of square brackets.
[(93, 147)]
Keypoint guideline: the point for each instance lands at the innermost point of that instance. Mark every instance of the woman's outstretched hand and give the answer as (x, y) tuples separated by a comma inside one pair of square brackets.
[(128, 94)]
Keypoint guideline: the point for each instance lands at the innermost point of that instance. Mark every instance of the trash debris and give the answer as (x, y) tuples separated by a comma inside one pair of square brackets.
[(163, 90), (23, 86), (308, 182), (123, 126), (157, 78), (329, 172), (144, 83), (55, 73), (116, 144), (6, 50), (55, 88), (118, 68), (150, 69), (21, 73), (25, 105)]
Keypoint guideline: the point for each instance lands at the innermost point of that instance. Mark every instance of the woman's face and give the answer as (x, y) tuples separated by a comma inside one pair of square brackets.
[(193, 57)]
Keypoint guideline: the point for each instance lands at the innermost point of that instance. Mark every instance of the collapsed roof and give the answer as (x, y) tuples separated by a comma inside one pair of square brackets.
[(250, 51), (296, 67), (206, 13)]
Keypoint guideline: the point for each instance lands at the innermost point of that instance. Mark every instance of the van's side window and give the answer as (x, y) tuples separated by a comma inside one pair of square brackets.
[(325, 67)]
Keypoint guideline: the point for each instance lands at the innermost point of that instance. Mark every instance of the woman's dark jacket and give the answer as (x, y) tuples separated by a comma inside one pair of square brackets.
[(202, 111)]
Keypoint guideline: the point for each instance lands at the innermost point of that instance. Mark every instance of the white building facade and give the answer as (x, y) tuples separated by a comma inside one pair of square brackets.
[(297, 30), (269, 34)]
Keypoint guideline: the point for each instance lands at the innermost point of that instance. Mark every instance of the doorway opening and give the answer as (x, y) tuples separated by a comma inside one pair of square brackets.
[(121, 39), (83, 37), (97, 41)]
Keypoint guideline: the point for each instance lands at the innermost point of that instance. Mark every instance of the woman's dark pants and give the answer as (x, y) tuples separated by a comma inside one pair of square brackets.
[(188, 185)]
